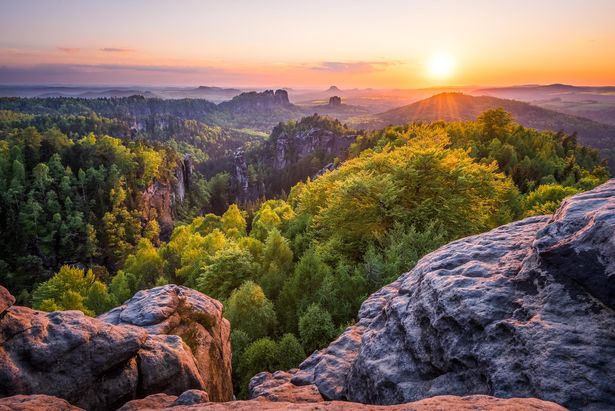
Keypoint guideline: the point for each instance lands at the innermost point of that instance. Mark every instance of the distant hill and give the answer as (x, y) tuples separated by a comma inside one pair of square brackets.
[(117, 93), (534, 92), (595, 103), (463, 107), (458, 106)]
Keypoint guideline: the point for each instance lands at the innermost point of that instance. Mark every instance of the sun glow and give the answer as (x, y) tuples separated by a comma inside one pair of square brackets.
[(441, 66)]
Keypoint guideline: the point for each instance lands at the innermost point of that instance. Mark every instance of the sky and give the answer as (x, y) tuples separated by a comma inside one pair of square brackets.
[(307, 43)]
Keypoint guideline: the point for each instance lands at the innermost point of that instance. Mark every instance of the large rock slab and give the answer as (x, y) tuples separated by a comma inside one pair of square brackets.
[(164, 401), (277, 387), (165, 340), (441, 403), (525, 310), (583, 231), (36, 403), (196, 318)]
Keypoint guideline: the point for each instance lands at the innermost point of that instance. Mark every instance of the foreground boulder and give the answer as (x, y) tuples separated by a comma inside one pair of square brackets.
[(36, 403), (277, 387), (525, 310), (196, 318), (441, 403), (99, 366), (162, 401)]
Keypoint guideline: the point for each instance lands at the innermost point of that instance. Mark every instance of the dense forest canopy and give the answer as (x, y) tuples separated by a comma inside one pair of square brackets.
[(292, 265)]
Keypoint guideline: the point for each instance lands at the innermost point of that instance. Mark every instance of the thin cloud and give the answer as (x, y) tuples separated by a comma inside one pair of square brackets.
[(116, 50), (352, 67), (69, 50), (85, 73)]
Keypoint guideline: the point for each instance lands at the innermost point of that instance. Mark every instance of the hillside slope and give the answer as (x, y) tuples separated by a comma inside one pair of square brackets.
[(462, 107)]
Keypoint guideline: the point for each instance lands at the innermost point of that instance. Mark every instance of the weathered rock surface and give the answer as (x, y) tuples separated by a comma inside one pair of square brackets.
[(6, 300), (96, 365), (290, 148), (253, 100), (277, 387), (36, 403), (525, 310), (191, 397), (161, 199), (164, 401), (151, 402), (196, 318), (441, 403)]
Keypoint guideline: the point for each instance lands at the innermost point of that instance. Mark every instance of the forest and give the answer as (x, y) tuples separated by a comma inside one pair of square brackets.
[(294, 263)]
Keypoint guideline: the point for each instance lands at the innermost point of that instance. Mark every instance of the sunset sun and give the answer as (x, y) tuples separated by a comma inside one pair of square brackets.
[(441, 66)]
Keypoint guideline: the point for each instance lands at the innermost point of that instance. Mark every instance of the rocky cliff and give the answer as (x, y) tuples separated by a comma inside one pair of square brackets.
[(196, 318), (525, 310), (253, 100), (291, 148), (293, 152), (161, 198), (168, 339)]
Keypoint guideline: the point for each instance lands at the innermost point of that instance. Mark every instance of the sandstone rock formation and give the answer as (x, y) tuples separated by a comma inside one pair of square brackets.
[(36, 403), (277, 387), (441, 403), (6, 300), (162, 401), (246, 189), (335, 101), (291, 148), (196, 318), (253, 100), (161, 199), (98, 366), (525, 310)]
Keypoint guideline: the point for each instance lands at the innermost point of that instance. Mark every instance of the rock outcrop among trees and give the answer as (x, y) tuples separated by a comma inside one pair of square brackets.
[(168, 339), (196, 318), (525, 310)]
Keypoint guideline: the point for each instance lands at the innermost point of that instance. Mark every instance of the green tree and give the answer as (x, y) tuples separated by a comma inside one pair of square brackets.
[(250, 311), (72, 289), (289, 352), (546, 199), (259, 356), (233, 222), (225, 271), (277, 264), (145, 266), (316, 328), (301, 289)]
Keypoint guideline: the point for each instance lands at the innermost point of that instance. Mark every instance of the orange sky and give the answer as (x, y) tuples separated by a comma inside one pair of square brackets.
[(267, 43)]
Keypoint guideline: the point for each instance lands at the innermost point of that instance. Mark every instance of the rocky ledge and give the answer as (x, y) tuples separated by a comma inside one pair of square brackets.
[(525, 310), (190, 401), (131, 352)]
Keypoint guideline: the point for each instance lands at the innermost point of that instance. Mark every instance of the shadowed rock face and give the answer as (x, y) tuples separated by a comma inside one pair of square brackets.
[(99, 366), (196, 318), (291, 148), (525, 310), (6, 300)]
